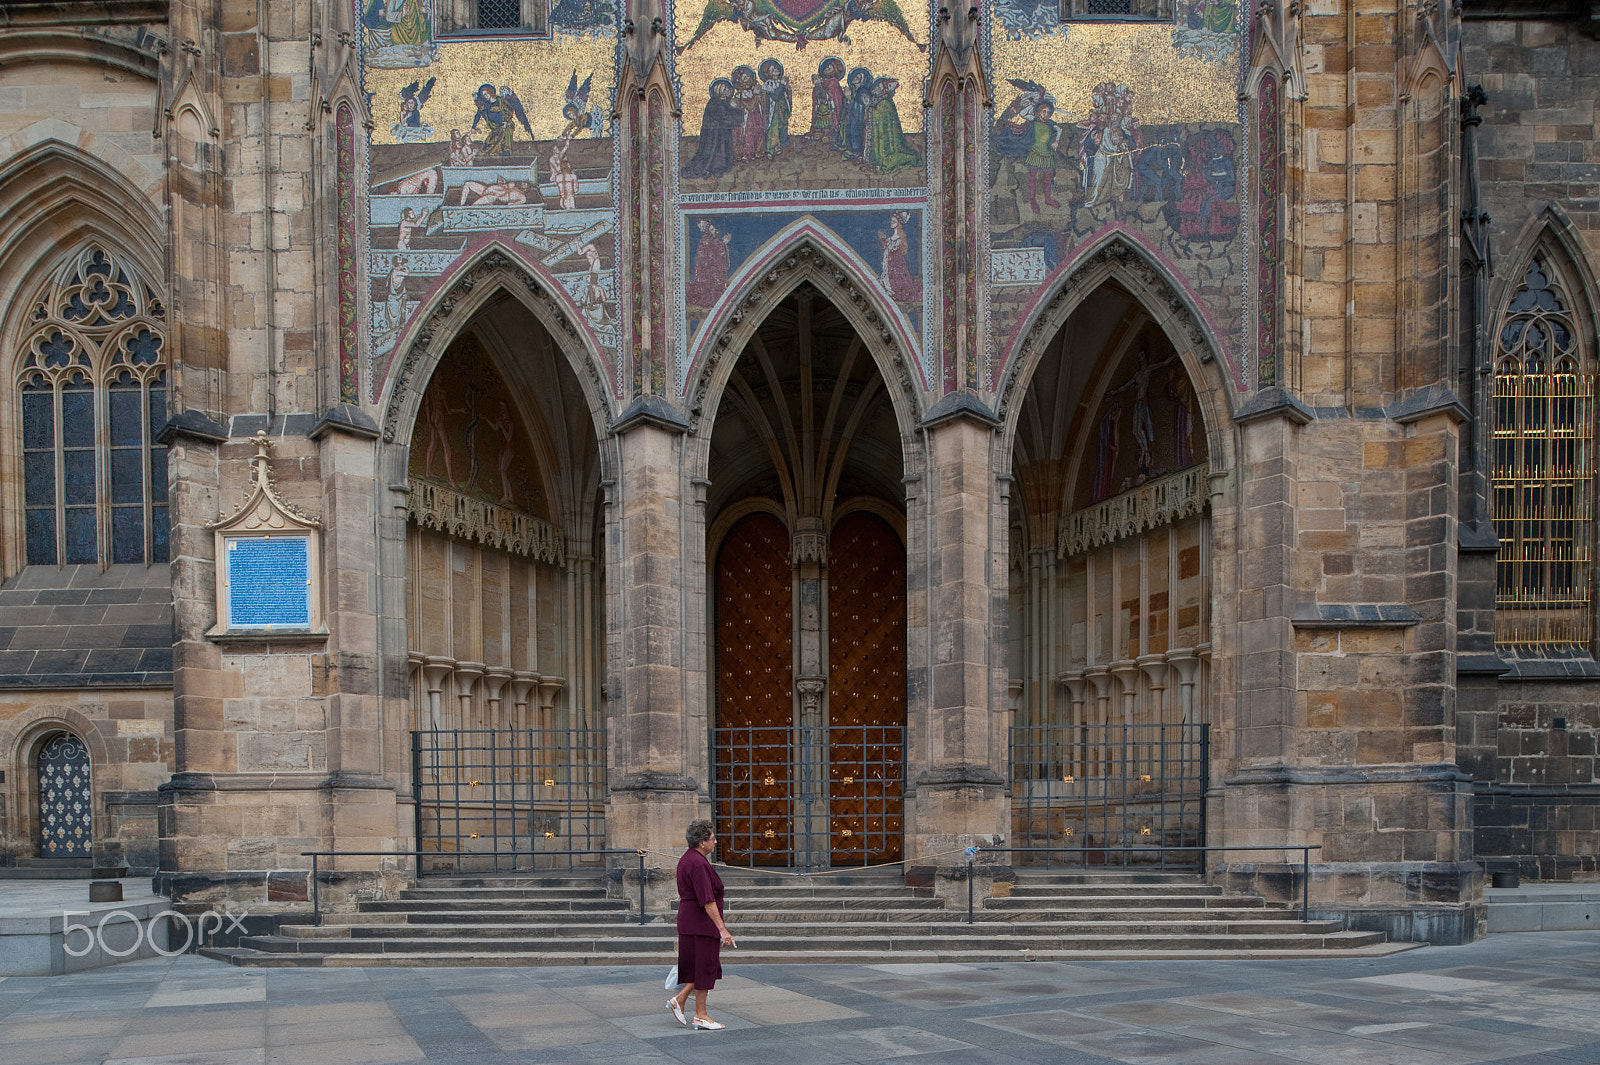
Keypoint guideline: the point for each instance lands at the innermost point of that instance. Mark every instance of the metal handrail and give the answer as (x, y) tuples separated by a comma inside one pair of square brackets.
[(316, 901), (1305, 863)]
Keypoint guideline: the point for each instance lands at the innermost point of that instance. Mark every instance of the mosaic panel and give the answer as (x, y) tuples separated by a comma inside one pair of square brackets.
[(488, 137), (1115, 126), (887, 241)]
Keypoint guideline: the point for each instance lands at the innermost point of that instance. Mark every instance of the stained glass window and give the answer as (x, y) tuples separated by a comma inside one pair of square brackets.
[(1543, 468), (92, 384)]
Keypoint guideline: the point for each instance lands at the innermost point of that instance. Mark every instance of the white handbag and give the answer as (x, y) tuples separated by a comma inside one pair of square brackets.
[(672, 978)]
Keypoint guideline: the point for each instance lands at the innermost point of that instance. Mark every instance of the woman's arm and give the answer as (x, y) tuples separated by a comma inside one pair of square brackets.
[(713, 912)]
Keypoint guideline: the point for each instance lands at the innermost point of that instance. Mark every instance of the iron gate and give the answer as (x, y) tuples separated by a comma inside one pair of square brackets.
[(508, 800), (1109, 794), (808, 797)]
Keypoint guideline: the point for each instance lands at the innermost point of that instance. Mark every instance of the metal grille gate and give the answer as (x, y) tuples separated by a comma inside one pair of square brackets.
[(508, 800), (1109, 794), (808, 797)]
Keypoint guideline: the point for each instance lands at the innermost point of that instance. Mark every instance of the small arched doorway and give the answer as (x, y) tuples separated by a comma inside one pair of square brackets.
[(808, 576), (66, 802)]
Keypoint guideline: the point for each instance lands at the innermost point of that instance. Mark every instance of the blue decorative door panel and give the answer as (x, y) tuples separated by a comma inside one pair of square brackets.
[(64, 800)]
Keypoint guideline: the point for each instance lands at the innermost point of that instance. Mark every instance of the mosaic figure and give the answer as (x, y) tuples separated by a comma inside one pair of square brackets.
[(395, 304), (494, 194), (885, 147), (714, 155), (422, 183), (463, 151), (500, 111), (580, 118), (895, 275), (594, 293), (399, 33), (853, 130), (799, 22), (1110, 142), (827, 101), (710, 278), (408, 222), (1207, 208), (564, 177), (1044, 140), (1144, 429), (750, 139), (780, 106), (412, 100)]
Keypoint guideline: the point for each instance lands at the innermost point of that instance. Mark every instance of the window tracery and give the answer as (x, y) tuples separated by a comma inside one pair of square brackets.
[(92, 380), (1544, 467)]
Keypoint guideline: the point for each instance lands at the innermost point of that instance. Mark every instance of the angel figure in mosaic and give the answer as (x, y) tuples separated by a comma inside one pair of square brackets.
[(500, 111)]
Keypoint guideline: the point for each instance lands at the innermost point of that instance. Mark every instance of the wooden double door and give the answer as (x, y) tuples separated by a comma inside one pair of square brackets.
[(808, 768)]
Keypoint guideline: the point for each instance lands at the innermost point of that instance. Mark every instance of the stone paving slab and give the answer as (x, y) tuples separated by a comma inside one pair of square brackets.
[(1531, 999)]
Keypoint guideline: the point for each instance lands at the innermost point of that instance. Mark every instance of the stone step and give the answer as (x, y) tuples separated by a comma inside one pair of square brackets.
[(987, 914), (490, 905), (1120, 887), (796, 949), (441, 892), (799, 932), (1339, 945), (1224, 902)]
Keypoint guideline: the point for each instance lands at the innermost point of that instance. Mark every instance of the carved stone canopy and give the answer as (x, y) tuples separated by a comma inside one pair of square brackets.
[(263, 509)]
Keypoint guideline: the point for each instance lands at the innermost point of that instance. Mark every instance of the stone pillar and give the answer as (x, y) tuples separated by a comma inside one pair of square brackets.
[(367, 761), (657, 735), (956, 749)]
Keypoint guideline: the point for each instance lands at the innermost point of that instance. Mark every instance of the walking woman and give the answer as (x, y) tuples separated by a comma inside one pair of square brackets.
[(701, 933)]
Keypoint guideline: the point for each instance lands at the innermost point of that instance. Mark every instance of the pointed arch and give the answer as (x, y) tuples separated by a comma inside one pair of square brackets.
[(1545, 341), (1118, 258), (62, 191), (452, 303), (1551, 230), (804, 252)]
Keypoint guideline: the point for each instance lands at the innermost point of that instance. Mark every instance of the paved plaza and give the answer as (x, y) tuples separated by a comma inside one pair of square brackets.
[(1523, 997)]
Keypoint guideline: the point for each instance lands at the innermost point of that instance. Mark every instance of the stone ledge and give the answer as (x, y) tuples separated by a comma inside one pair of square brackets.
[(1544, 908), (1353, 616), (34, 936)]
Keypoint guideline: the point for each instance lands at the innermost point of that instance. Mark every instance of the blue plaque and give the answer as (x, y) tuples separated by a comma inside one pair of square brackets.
[(268, 581)]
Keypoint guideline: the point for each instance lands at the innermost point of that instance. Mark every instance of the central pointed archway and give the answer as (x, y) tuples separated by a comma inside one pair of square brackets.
[(806, 553)]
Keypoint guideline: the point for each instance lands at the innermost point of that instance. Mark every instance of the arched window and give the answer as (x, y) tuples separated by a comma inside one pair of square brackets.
[(92, 381), (1544, 466)]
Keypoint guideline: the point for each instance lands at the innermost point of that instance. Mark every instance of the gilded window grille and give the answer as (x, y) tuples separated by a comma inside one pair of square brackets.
[(1543, 472)]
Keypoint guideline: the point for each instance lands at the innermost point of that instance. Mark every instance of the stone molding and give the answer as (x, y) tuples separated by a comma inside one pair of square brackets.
[(1166, 501), (1119, 257), (432, 506), (1428, 773), (1353, 616), (809, 261), (496, 265)]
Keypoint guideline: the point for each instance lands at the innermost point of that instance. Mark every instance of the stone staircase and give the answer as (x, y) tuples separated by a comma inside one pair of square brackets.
[(839, 917)]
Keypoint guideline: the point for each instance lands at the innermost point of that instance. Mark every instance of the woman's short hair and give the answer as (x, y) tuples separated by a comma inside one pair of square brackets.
[(698, 832)]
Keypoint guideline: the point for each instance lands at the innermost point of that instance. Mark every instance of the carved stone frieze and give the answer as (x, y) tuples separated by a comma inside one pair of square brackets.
[(1151, 505), (432, 506)]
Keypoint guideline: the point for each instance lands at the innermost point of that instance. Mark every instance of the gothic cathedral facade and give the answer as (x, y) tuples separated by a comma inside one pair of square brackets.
[(474, 434)]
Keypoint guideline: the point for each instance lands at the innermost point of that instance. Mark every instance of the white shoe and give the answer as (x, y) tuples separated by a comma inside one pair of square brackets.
[(709, 1026), (677, 1010)]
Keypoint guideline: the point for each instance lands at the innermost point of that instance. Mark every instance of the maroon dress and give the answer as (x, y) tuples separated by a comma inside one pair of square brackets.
[(699, 942)]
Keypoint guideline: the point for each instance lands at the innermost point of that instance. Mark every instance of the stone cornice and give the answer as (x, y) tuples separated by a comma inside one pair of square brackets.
[(1273, 403), (960, 406)]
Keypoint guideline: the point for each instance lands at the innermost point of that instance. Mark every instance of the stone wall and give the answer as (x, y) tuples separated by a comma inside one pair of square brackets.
[(1529, 740)]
